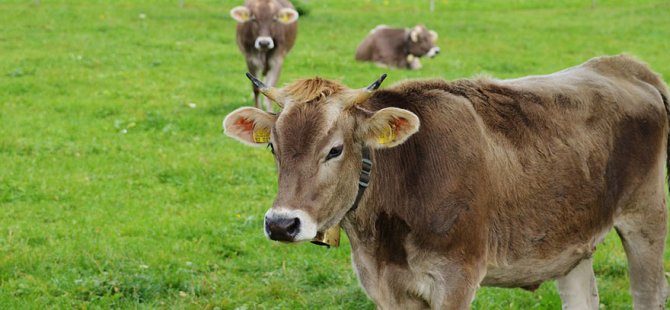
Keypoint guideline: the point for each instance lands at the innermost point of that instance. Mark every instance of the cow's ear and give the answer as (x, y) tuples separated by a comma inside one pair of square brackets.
[(414, 34), (250, 125), (241, 14), (433, 36), (389, 127), (287, 16)]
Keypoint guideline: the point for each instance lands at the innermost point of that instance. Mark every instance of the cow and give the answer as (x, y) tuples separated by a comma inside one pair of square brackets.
[(266, 32), (475, 182), (398, 47)]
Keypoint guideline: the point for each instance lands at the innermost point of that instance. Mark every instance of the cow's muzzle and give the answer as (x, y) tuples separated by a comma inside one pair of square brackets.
[(264, 43), (433, 52), (289, 225)]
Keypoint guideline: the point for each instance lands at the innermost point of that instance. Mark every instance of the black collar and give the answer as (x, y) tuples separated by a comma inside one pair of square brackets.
[(364, 180), (408, 41)]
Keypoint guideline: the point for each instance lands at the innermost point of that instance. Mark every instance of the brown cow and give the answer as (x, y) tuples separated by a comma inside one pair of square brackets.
[(266, 32), (504, 183), (398, 47)]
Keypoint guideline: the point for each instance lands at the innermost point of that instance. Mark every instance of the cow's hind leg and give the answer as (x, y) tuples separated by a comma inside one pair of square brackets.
[(578, 288), (643, 230)]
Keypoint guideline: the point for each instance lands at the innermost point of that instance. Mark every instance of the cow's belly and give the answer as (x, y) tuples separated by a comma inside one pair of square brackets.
[(532, 271)]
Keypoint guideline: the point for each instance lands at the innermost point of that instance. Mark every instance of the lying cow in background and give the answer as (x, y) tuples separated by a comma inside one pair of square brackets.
[(398, 47), (266, 32), (504, 183)]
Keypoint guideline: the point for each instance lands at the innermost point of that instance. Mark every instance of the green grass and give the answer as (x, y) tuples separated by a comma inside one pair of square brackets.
[(115, 193)]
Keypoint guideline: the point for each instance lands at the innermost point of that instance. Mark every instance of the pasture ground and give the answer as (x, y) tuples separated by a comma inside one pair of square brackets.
[(118, 189)]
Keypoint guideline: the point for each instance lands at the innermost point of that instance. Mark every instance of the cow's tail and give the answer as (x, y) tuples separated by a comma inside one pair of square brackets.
[(644, 73), (663, 90), (664, 96)]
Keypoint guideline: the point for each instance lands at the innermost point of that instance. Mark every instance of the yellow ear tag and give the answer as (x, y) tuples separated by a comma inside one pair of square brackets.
[(284, 18), (387, 136), (261, 136)]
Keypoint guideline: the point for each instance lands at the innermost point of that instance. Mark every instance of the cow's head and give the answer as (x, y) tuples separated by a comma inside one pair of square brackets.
[(317, 141), (422, 42), (266, 18)]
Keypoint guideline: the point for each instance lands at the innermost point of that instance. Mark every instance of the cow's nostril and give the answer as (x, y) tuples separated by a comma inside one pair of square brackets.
[(292, 229), (282, 229)]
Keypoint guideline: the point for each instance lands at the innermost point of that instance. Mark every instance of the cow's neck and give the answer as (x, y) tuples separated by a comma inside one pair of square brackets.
[(411, 191), (371, 204), (407, 42)]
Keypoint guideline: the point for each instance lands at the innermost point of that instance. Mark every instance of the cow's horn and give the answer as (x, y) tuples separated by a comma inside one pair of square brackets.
[(269, 92), (376, 83), (256, 81), (365, 93)]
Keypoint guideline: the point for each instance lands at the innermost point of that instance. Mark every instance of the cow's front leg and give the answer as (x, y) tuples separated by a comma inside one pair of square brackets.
[(386, 284), (413, 62), (398, 289), (457, 291)]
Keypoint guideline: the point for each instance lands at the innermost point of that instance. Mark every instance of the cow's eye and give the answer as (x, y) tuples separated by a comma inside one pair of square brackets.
[(334, 152), (272, 148)]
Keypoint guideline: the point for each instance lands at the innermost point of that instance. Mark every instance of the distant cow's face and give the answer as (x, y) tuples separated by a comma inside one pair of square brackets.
[(317, 140), (266, 18), (422, 42)]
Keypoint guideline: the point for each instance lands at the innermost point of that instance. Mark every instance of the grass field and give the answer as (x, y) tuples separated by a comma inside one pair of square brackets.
[(118, 189)]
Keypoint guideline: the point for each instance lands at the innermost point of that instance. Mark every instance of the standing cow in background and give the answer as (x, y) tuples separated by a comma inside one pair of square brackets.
[(266, 32), (398, 47)]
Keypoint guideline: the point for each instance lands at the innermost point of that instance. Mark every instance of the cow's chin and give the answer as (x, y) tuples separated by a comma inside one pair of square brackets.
[(333, 221)]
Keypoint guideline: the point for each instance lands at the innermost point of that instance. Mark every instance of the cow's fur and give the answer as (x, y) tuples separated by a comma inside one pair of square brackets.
[(263, 22), (506, 183), (398, 47)]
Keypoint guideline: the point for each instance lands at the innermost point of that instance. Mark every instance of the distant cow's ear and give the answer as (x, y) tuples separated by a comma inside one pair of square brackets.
[(250, 125), (433, 36), (287, 16), (414, 34), (389, 127), (240, 14)]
